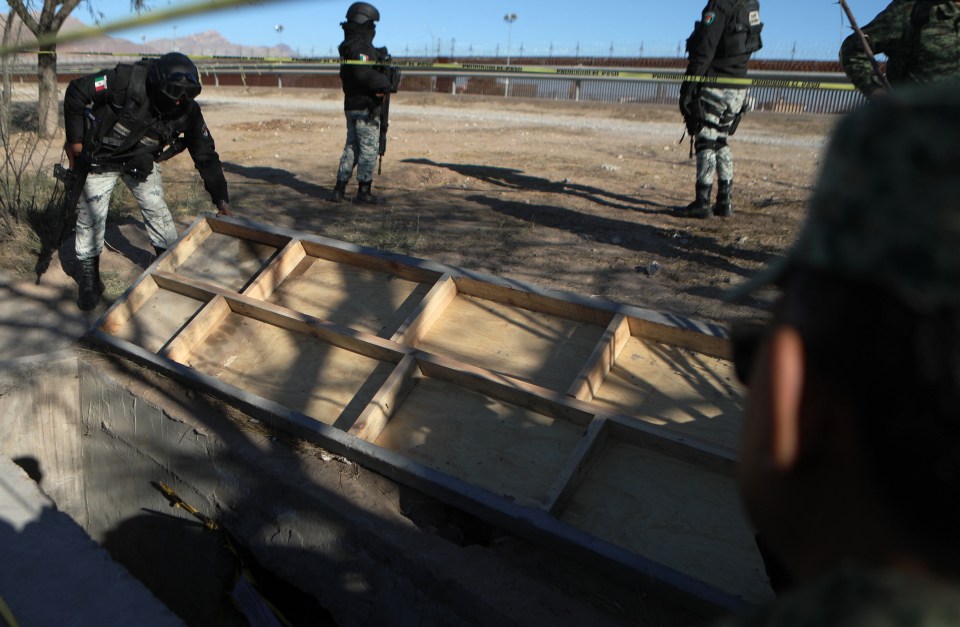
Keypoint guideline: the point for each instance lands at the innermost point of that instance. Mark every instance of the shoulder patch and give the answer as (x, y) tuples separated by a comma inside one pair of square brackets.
[(364, 57), (709, 17), (754, 18), (100, 83)]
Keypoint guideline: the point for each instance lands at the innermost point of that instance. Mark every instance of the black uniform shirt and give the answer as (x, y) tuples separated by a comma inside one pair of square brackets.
[(105, 91), (714, 49), (361, 83)]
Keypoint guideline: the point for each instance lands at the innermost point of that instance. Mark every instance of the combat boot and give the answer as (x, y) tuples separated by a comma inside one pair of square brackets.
[(363, 194), (339, 191), (699, 208), (91, 287), (724, 206)]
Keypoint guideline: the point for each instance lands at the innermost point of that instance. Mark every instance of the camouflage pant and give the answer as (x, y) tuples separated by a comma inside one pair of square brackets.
[(95, 203), (720, 108), (361, 148)]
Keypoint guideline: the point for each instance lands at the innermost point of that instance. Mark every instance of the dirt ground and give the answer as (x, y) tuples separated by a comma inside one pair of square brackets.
[(577, 197)]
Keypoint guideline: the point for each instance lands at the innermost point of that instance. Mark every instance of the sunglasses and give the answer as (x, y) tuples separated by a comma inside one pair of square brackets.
[(181, 86), (746, 338)]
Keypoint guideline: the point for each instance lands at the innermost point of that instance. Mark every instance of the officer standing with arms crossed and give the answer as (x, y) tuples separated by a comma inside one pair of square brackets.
[(921, 39), (121, 121), (364, 88), (720, 46)]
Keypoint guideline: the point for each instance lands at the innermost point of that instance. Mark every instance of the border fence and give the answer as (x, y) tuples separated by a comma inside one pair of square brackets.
[(813, 87)]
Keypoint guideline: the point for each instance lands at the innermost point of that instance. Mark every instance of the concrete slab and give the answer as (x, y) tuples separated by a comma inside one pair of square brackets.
[(53, 573)]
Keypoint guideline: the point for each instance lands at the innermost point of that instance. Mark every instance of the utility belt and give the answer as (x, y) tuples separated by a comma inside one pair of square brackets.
[(137, 166)]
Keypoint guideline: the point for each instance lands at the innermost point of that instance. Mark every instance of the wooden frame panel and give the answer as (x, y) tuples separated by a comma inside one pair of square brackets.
[(527, 447)]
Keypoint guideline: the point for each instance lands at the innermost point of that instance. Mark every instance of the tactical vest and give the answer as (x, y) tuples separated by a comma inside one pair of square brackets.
[(742, 35), (123, 126)]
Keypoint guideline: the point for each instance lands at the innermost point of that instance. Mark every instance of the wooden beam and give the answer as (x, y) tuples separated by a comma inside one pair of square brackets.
[(236, 228), (374, 419), (430, 308), (196, 331), (527, 299), (124, 309), (188, 243), (348, 339), (683, 334), (504, 388), (602, 360), (338, 254), (588, 449), (276, 271)]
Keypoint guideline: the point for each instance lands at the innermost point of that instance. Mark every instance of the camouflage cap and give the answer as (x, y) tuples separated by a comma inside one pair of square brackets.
[(886, 207)]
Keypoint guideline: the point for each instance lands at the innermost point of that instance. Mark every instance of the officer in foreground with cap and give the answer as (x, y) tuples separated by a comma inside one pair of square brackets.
[(850, 461), (364, 88), (122, 122)]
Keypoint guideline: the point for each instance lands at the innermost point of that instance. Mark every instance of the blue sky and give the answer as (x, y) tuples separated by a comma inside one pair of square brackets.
[(814, 27)]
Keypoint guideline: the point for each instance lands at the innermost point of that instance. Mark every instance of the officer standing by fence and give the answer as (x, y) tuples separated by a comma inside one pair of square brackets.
[(364, 89), (921, 39), (721, 44), (136, 116)]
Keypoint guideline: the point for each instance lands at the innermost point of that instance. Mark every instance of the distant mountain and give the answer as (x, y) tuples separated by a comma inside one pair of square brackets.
[(209, 43)]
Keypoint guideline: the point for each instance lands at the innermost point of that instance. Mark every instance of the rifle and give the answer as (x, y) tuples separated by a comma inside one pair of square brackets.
[(393, 75), (73, 183), (866, 46)]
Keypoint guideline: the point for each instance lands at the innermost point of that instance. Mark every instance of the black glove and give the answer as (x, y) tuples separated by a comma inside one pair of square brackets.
[(690, 108), (688, 93)]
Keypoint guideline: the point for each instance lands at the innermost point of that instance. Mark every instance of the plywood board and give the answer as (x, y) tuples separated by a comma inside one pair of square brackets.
[(539, 348), (508, 450), (671, 511), (303, 373), (158, 319), (351, 296), (224, 260)]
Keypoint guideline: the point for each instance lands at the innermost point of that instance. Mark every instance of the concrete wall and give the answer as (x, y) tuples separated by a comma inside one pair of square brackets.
[(349, 547)]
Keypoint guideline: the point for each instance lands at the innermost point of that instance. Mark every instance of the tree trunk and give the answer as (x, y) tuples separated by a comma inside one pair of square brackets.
[(48, 107), (47, 23), (7, 86)]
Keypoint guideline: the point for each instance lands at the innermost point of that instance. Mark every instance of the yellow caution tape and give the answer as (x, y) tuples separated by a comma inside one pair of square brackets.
[(538, 70)]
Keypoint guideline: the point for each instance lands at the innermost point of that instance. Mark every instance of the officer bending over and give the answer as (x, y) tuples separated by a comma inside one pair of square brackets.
[(121, 121), (364, 87)]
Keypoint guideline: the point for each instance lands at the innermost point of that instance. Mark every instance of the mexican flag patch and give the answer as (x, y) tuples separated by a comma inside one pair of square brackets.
[(100, 83), (364, 57), (709, 18)]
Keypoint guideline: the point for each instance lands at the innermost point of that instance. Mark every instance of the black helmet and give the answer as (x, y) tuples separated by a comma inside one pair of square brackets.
[(361, 13), (174, 76)]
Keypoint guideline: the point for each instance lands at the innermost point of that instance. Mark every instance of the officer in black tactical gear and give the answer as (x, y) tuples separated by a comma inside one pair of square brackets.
[(364, 88), (120, 123), (719, 48)]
